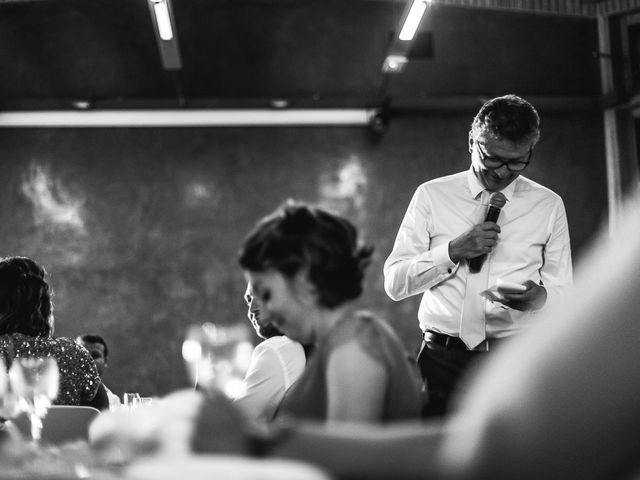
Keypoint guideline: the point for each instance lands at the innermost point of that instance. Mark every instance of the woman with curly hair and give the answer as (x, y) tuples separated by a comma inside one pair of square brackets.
[(26, 330), (306, 266)]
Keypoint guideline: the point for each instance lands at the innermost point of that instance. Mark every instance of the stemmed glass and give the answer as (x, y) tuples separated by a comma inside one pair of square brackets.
[(217, 357), (131, 400), (34, 382)]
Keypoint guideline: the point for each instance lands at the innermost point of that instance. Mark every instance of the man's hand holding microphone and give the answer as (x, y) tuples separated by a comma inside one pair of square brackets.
[(476, 243)]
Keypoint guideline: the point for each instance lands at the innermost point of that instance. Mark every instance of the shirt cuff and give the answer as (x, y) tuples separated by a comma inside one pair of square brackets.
[(441, 260)]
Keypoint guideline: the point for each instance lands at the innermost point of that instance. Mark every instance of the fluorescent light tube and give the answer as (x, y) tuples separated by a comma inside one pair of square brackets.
[(413, 20), (186, 118), (163, 21)]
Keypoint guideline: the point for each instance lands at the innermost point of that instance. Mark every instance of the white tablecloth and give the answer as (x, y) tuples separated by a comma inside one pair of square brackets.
[(222, 467)]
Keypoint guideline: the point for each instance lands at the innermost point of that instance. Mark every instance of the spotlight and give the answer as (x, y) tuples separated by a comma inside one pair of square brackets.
[(394, 64), (279, 103), (81, 104)]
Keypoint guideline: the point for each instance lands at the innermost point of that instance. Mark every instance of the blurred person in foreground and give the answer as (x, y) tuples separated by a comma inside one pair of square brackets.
[(26, 330), (99, 351), (276, 364), (306, 266), (560, 401), (449, 249)]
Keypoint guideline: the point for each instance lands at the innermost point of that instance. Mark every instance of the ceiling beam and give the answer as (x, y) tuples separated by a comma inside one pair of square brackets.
[(574, 8)]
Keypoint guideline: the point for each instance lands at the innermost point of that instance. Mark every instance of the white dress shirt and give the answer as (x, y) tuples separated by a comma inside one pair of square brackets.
[(114, 400), (533, 245), (276, 364)]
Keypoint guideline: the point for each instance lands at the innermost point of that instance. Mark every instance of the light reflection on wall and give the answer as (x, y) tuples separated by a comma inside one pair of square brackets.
[(53, 205), (344, 190), (199, 194)]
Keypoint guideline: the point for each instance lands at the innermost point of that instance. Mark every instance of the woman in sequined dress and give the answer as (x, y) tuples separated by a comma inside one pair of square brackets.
[(26, 329)]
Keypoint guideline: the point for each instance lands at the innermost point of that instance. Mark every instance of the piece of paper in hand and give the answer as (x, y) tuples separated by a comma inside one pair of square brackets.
[(492, 293)]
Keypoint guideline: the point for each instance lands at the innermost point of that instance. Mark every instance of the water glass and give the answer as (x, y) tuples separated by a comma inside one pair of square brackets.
[(218, 356), (131, 400)]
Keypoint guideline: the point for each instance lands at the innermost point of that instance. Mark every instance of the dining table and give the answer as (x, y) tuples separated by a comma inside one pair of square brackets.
[(76, 460)]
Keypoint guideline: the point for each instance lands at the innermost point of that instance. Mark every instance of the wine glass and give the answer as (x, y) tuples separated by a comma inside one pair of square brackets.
[(217, 357), (131, 400), (34, 382)]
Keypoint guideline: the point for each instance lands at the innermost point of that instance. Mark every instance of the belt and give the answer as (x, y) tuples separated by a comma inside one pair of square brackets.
[(456, 343)]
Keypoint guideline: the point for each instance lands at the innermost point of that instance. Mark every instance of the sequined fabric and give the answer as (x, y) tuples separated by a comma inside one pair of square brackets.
[(79, 380)]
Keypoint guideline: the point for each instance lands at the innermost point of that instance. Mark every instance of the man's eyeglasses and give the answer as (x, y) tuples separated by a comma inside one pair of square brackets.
[(513, 165)]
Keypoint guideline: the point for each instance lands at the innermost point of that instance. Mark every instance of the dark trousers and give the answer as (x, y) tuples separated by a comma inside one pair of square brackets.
[(442, 367)]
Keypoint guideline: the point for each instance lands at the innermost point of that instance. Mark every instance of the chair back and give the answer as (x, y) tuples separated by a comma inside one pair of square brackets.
[(63, 423)]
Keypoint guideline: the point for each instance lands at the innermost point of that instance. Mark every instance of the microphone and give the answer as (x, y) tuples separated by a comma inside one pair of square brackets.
[(496, 202)]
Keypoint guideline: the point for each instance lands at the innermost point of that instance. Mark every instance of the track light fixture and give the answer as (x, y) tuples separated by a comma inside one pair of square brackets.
[(412, 20)]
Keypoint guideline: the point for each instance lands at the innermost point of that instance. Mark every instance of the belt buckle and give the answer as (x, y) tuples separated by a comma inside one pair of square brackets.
[(482, 346)]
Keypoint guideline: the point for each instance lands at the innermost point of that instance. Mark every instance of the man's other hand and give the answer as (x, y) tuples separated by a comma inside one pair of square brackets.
[(533, 298)]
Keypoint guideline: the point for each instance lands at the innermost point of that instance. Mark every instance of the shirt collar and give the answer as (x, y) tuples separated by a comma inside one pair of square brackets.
[(476, 188)]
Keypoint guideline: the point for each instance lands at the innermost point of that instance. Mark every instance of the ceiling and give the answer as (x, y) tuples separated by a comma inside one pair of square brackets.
[(62, 54)]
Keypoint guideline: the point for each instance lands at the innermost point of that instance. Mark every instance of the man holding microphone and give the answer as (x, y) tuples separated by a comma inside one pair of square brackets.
[(485, 227)]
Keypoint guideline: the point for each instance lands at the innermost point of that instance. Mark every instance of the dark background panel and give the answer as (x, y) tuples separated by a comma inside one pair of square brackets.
[(139, 228)]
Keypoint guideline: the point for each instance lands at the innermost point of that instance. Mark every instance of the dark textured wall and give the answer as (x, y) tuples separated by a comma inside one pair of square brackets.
[(139, 228)]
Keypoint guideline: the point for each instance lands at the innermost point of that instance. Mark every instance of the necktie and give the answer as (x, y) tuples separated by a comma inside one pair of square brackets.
[(472, 319)]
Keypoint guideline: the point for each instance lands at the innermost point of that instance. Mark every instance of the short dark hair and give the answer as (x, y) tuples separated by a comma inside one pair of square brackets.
[(25, 298), (94, 338), (509, 117), (298, 235)]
